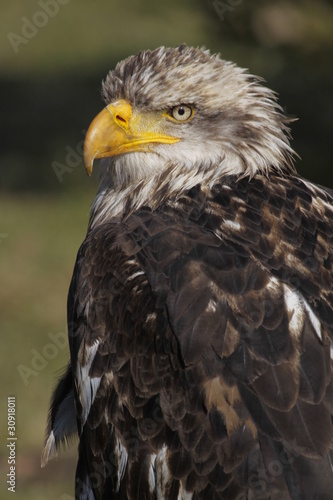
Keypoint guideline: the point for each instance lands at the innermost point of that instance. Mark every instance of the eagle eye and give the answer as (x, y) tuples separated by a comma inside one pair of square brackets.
[(182, 112)]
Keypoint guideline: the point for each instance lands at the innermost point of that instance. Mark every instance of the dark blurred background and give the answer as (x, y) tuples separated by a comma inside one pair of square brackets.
[(53, 56)]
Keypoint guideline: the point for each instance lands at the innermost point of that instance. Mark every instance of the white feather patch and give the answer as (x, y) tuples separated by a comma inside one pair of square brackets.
[(162, 473), (49, 450), (273, 283), (122, 458), (231, 224), (87, 386), (313, 319), (297, 307), (183, 494), (294, 305), (211, 306), (151, 317), (135, 275), (152, 472)]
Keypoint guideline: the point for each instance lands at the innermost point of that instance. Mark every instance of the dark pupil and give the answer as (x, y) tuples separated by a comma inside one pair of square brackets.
[(181, 111)]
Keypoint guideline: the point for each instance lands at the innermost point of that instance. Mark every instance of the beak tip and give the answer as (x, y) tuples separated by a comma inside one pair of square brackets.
[(88, 159), (89, 168)]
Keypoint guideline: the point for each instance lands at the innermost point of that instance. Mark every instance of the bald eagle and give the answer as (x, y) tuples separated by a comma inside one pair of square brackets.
[(200, 312)]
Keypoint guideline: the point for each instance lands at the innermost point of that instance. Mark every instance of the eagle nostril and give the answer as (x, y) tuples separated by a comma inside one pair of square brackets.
[(120, 119)]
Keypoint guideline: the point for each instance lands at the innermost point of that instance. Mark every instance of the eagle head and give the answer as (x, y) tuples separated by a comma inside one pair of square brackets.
[(187, 116)]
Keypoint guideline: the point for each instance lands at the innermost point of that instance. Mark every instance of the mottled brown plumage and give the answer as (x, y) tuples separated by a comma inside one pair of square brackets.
[(201, 306)]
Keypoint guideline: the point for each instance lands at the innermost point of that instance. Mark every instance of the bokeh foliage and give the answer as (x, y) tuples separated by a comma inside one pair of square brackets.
[(50, 87)]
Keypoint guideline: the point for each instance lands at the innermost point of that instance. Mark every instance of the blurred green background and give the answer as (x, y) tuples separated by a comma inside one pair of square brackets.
[(53, 56)]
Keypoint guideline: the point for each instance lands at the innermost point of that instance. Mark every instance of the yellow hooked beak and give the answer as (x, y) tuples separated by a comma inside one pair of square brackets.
[(117, 130)]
